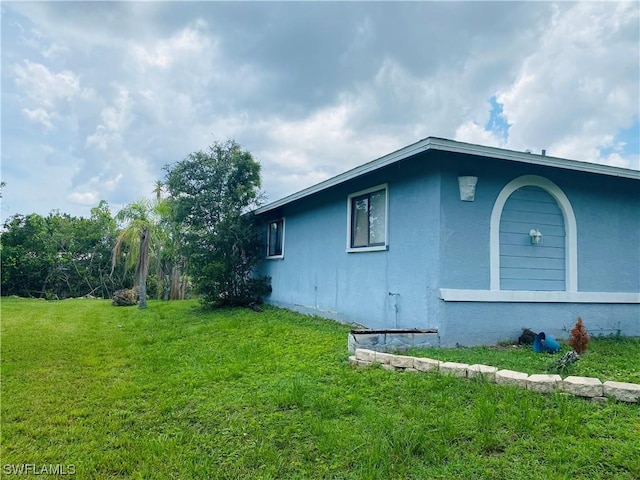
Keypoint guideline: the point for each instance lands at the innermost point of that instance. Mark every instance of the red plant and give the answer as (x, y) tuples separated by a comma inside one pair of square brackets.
[(579, 338)]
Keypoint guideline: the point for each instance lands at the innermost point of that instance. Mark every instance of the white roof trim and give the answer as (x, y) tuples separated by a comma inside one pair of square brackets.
[(444, 145)]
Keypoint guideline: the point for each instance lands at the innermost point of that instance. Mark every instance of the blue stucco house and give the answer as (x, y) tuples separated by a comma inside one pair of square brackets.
[(476, 242)]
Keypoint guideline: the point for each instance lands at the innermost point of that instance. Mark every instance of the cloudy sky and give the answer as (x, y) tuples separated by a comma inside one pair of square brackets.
[(98, 97)]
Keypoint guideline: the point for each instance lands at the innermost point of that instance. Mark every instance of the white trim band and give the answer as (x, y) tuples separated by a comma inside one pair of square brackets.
[(524, 296)]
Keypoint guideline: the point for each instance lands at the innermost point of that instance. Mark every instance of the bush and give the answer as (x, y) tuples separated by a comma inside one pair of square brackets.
[(579, 338)]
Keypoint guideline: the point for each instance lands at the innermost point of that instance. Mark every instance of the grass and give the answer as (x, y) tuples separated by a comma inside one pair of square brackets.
[(175, 392), (607, 358)]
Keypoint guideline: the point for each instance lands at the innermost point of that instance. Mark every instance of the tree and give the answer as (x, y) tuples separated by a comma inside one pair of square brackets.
[(135, 242), (172, 282), (103, 236), (579, 337), (212, 194), (169, 279), (26, 257), (59, 255), (158, 189)]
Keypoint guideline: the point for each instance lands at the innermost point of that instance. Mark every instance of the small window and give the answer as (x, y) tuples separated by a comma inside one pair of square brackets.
[(275, 241), (368, 220)]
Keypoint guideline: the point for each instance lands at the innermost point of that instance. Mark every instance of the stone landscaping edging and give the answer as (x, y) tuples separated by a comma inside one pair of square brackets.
[(585, 387)]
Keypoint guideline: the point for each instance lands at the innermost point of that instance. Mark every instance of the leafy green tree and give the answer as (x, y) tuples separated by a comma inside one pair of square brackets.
[(102, 237), (212, 193), (25, 256), (59, 255)]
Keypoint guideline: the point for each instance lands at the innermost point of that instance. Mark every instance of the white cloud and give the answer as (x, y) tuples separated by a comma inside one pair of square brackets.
[(89, 199), (115, 119), (111, 184), (577, 90), (591, 150), (122, 89), (471, 132), (323, 143), (41, 116), (43, 86), (164, 53)]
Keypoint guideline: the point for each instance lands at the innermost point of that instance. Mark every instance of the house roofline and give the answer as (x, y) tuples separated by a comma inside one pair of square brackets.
[(445, 145)]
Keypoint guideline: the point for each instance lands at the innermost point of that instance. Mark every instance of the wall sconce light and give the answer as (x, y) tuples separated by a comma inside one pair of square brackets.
[(467, 187), (536, 236)]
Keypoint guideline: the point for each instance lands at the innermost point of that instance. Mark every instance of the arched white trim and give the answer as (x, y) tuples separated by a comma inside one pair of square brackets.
[(571, 230)]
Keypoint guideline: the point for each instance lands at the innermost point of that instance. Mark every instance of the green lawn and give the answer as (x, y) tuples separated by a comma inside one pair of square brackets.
[(174, 392)]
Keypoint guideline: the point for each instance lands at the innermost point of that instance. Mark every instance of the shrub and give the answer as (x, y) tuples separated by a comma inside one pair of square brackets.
[(579, 338)]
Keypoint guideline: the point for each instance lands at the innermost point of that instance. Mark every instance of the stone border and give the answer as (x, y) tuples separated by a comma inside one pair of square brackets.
[(393, 339), (585, 387)]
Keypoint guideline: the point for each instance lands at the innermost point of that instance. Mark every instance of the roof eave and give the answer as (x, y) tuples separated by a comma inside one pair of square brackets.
[(444, 145), (531, 158), (388, 159)]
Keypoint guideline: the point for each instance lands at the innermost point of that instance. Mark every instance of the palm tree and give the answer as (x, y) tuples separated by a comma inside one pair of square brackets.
[(137, 239), (158, 189)]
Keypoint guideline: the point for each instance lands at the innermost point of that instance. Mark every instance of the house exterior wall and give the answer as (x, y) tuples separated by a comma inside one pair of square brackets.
[(438, 242), (487, 323), (607, 212), (607, 216), (317, 275)]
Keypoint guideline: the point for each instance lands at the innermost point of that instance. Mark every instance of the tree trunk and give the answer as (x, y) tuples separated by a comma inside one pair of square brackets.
[(166, 286), (175, 283), (143, 266), (184, 285), (143, 294), (159, 275)]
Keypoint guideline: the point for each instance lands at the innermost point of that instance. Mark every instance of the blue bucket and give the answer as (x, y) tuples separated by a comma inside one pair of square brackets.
[(545, 343)]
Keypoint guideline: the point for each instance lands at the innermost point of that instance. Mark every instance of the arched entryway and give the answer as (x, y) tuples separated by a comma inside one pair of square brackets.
[(525, 265)]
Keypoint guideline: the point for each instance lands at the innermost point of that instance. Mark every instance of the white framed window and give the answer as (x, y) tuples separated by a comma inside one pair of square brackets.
[(367, 219), (275, 238)]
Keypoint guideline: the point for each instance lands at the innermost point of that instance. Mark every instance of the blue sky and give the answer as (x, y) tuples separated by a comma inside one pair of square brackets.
[(98, 97)]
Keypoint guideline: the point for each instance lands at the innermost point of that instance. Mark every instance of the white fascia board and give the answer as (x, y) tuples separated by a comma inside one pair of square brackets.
[(350, 174), (444, 145)]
